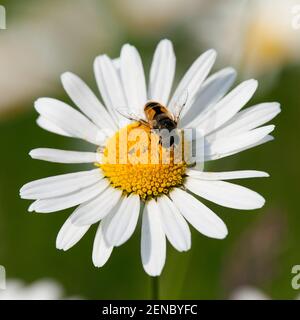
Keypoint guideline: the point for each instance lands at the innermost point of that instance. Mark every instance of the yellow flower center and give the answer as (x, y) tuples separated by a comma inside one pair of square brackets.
[(266, 46), (136, 162)]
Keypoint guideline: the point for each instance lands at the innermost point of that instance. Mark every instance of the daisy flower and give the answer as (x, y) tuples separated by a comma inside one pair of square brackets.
[(251, 293), (268, 37), (44, 289), (248, 293), (113, 194), (33, 62)]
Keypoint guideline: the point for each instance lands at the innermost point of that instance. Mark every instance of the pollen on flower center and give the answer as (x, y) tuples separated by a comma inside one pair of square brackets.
[(135, 162)]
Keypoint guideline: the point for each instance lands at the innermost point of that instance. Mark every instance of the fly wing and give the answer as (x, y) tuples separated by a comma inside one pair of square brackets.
[(131, 116), (179, 105), (128, 115)]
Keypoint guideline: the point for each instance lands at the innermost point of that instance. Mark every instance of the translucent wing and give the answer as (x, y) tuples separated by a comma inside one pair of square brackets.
[(179, 105), (130, 115)]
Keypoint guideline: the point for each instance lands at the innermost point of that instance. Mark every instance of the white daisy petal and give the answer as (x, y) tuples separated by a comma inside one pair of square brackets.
[(69, 235), (123, 222), (233, 151), (198, 215), (226, 194), (117, 64), (220, 146), (262, 141), (51, 127), (69, 200), (174, 225), (96, 209), (64, 156), (110, 87), (72, 121), (249, 119), (133, 79), (193, 79), (227, 107), (153, 241), (229, 175), (60, 185), (212, 90), (86, 101), (101, 250), (162, 72)]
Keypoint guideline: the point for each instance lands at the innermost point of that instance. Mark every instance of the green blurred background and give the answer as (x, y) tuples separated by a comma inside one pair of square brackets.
[(45, 38)]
